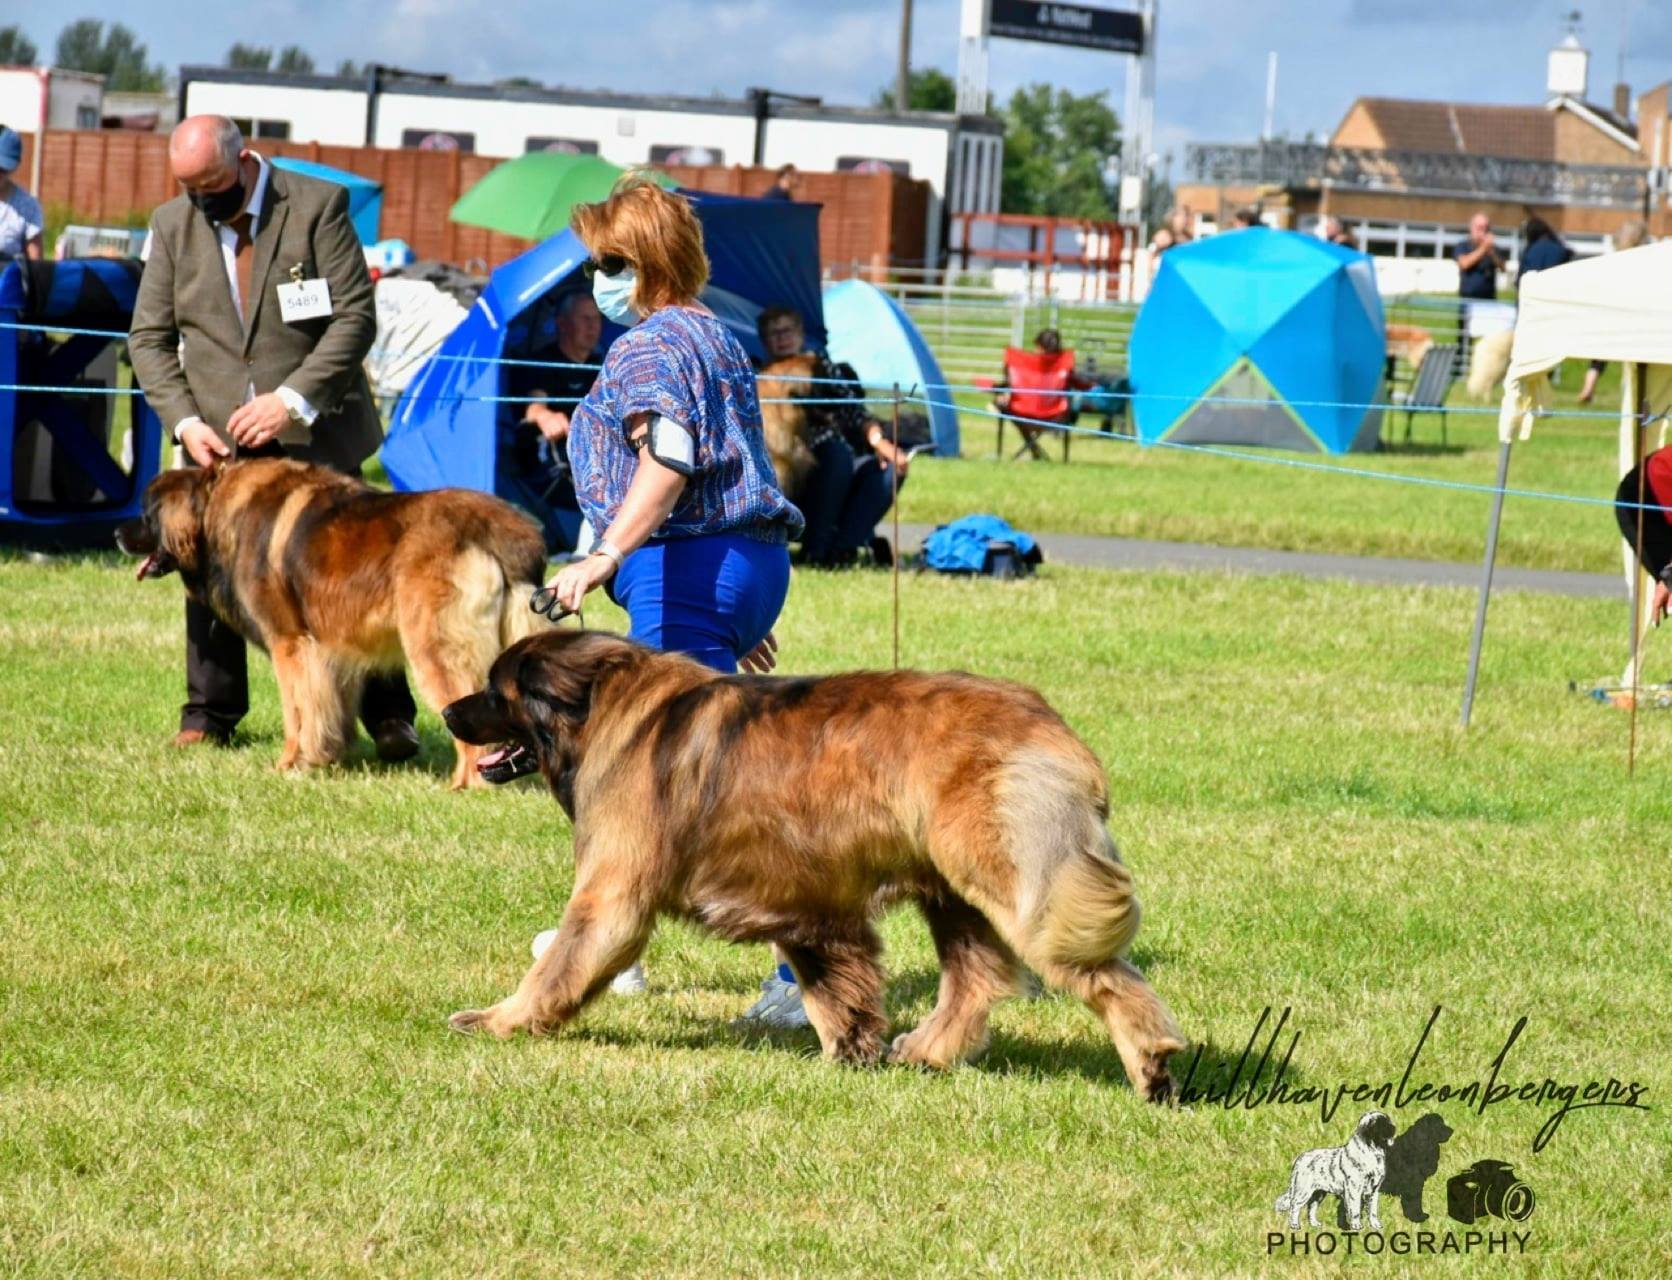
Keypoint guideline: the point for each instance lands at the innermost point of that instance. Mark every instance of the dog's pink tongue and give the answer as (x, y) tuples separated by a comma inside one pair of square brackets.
[(497, 756), (145, 568)]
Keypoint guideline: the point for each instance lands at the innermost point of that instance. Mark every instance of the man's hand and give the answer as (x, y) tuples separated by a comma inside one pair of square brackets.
[(763, 657), (553, 423), (201, 443), (254, 424), (1662, 603)]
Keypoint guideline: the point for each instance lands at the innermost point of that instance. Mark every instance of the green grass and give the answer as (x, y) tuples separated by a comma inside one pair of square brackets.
[(1118, 488), (223, 991)]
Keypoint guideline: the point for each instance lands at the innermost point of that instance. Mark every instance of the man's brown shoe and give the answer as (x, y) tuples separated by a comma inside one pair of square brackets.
[(198, 738), (396, 740)]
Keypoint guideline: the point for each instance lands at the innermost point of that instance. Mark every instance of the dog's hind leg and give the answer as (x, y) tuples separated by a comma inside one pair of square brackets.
[(977, 970), (452, 641), (1144, 1033), (841, 990)]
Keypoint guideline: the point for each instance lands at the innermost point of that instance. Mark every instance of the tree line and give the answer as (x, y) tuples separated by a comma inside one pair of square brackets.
[(115, 52)]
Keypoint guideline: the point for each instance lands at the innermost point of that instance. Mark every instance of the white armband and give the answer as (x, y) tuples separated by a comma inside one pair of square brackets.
[(672, 445)]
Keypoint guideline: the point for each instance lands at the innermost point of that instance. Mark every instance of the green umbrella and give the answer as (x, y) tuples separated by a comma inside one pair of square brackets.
[(533, 195)]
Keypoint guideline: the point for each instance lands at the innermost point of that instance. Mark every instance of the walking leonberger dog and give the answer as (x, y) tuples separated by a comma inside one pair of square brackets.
[(337, 580), (788, 811)]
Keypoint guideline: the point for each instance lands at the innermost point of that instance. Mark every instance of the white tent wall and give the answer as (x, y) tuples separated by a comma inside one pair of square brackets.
[(1616, 308)]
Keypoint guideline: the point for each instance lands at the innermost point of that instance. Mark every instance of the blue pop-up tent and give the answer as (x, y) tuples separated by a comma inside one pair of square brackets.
[(1260, 337), (365, 196), (763, 253), (872, 332)]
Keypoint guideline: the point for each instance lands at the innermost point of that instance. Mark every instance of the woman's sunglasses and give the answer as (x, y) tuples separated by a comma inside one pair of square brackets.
[(611, 264)]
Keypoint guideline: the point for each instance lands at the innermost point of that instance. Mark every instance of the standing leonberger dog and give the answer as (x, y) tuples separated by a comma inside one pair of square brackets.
[(784, 420), (787, 810), (337, 580)]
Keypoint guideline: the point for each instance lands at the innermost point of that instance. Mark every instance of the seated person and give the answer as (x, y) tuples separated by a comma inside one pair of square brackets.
[(850, 486), (1654, 518), (1048, 342), (533, 453)]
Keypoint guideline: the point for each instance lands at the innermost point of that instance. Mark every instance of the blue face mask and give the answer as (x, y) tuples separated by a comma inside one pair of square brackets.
[(613, 294)]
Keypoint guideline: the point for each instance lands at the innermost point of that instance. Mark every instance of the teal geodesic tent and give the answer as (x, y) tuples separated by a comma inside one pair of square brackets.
[(1260, 337)]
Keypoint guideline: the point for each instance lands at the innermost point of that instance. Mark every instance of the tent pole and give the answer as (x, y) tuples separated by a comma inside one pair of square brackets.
[(1486, 582), (894, 503), (1637, 576)]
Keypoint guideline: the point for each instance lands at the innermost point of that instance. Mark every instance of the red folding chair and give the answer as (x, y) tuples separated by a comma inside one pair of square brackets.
[(1035, 398)]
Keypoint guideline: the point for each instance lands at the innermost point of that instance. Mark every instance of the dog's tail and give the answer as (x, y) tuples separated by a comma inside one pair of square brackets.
[(517, 619), (1075, 897), (522, 562), (1489, 363)]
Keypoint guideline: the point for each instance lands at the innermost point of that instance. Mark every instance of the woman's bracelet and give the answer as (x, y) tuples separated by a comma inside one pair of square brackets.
[(604, 547)]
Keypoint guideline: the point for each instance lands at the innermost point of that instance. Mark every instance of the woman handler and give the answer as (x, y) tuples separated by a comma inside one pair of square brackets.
[(670, 464)]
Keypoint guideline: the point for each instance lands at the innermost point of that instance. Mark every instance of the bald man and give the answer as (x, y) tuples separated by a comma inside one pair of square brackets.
[(238, 362)]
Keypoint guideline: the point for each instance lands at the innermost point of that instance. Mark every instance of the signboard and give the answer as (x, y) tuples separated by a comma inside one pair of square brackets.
[(563, 146), (438, 140), (872, 164), (1112, 30), (686, 153)]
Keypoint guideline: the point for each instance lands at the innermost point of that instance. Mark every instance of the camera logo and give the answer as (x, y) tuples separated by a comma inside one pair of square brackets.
[(1488, 1187)]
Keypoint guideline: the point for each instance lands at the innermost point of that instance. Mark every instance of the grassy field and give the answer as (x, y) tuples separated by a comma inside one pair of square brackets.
[(224, 990), (1114, 486)]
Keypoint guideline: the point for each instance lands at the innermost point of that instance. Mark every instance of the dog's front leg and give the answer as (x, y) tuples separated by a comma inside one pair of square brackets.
[(287, 672), (598, 938), (1354, 1200), (1371, 1197)]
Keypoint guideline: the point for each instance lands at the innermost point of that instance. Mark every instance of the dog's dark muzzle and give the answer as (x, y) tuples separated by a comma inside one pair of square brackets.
[(506, 764)]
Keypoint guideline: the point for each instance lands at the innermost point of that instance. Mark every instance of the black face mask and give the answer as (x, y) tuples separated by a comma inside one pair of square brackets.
[(218, 206)]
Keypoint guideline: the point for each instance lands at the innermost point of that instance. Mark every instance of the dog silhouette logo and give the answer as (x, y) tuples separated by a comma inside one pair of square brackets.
[(1352, 1172)]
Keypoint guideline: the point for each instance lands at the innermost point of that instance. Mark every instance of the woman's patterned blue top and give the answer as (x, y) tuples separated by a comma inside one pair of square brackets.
[(682, 363)]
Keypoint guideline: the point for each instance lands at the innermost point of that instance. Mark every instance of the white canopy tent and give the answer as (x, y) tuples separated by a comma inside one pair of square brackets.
[(1618, 308)]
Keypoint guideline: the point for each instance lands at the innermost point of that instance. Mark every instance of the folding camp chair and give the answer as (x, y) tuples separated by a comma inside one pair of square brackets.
[(1429, 388), (1034, 397)]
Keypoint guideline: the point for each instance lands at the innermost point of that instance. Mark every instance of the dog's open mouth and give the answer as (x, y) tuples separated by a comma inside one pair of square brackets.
[(507, 763), (156, 565)]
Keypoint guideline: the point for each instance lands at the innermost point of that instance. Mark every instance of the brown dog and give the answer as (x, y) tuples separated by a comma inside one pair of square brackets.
[(783, 810), (786, 423), (336, 580)]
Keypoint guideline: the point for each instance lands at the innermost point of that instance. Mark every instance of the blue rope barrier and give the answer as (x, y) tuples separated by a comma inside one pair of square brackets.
[(1302, 464), (970, 387)]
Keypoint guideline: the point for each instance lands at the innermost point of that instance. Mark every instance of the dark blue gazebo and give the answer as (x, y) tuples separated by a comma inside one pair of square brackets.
[(86, 491)]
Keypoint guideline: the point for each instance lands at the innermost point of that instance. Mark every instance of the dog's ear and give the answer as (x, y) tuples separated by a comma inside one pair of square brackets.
[(1377, 1129), (556, 681)]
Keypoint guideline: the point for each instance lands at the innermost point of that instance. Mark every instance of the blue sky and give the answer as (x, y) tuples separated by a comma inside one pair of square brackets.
[(1212, 53)]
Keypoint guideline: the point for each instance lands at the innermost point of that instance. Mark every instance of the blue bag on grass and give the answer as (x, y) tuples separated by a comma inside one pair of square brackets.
[(981, 544)]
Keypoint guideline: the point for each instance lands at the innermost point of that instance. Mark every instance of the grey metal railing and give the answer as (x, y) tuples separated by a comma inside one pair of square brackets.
[(1311, 164)]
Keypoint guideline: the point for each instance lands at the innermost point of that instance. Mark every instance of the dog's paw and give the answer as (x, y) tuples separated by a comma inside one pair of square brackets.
[(914, 1049), (482, 1021)]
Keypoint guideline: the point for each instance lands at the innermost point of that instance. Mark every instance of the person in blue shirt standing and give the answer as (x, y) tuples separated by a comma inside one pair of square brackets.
[(1478, 261), (670, 466)]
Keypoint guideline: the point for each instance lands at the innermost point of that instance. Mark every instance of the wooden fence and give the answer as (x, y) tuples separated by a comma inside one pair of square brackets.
[(116, 176)]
